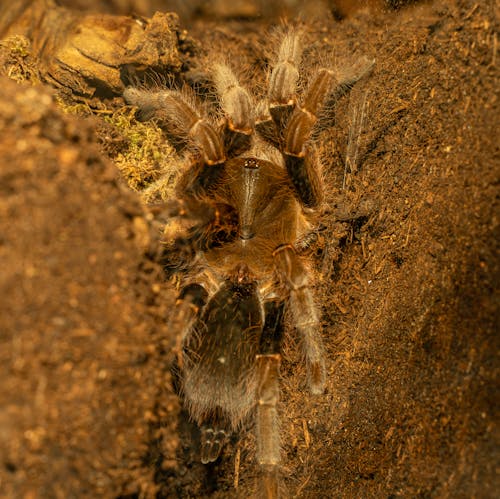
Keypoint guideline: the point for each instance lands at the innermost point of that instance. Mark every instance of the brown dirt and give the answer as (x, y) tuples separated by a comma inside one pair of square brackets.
[(409, 286)]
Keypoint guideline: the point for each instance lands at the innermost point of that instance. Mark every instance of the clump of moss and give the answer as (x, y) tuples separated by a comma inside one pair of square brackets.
[(149, 162), (16, 61), (69, 107), (144, 157)]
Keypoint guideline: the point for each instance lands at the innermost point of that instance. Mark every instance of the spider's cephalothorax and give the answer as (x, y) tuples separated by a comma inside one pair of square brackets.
[(246, 196)]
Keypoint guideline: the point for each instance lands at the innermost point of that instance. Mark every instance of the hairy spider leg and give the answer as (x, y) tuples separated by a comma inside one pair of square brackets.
[(305, 313), (267, 421), (284, 78), (238, 108), (264, 124), (184, 122), (301, 160)]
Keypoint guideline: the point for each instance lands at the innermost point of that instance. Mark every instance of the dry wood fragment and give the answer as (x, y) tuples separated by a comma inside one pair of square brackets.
[(89, 54)]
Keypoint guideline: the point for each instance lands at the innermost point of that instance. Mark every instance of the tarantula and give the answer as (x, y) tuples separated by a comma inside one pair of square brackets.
[(248, 194)]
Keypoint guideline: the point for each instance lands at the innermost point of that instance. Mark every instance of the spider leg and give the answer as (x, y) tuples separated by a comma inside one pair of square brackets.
[(267, 427), (305, 314), (190, 301), (300, 156), (265, 125), (238, 107), (185, 123), (283, 80)]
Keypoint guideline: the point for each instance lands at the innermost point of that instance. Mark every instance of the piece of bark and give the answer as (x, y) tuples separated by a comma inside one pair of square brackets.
[(88, 54)]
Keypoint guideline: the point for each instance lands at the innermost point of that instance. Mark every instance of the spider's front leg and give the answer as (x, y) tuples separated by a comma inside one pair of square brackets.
[(283, 80), (185, 123), (238, 108), (300, 155), (301, 158)]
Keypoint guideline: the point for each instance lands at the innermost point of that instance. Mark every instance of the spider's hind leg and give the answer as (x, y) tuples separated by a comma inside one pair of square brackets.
[(267, 427)]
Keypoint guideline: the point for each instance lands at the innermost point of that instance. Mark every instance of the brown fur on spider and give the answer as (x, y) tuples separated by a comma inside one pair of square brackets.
[(248, 193)]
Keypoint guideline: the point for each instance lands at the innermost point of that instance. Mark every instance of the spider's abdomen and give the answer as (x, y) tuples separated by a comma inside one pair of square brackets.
[(220, 355)]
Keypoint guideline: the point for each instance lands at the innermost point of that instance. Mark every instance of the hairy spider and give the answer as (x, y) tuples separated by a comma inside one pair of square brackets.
[(247, 195)]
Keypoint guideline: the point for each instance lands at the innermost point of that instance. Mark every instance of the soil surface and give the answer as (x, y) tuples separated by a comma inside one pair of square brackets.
[(407, 263)]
